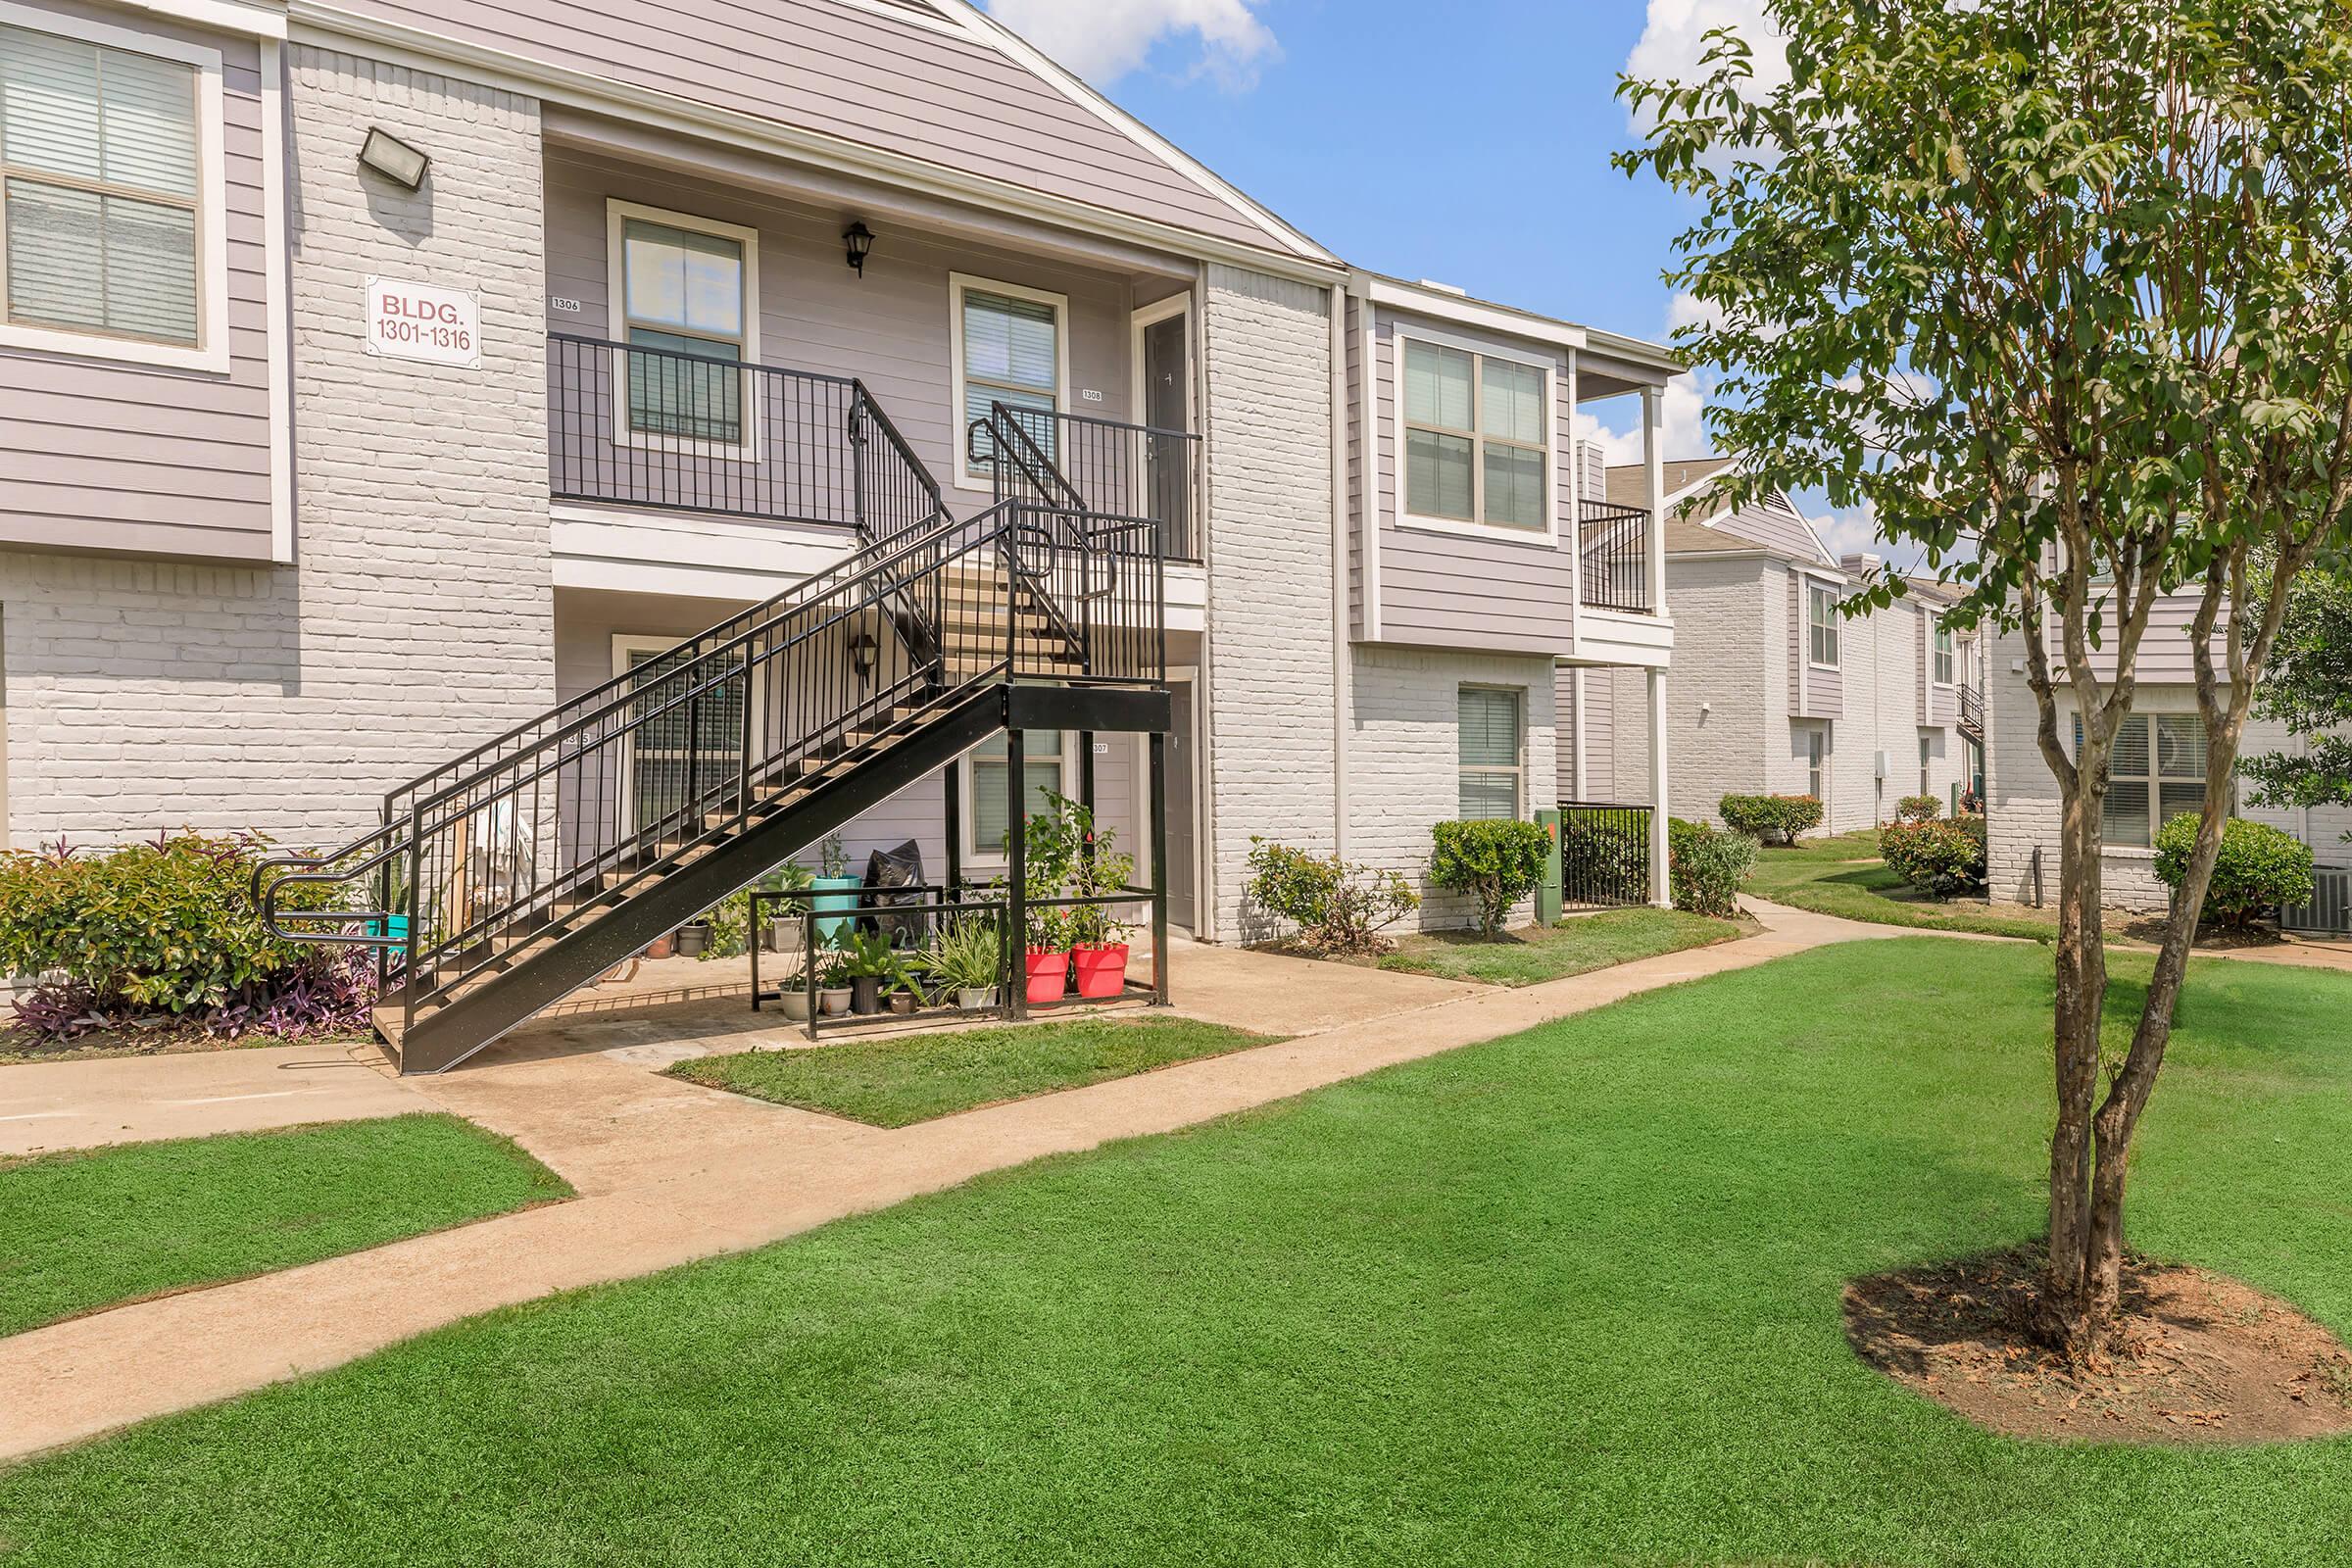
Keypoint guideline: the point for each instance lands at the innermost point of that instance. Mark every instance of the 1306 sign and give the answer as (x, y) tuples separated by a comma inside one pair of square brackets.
[(418, 322)]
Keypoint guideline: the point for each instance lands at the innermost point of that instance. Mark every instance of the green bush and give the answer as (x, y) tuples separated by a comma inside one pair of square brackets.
[(1918, 809), (1705, 867), (2259, 868), (166, 926), (1937, 857), (1602, 853), (1337, 905), (1770, 818), (1494, 862)]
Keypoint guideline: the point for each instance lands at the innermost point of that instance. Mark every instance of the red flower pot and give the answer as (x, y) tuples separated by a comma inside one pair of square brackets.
[(1101, 971), (1048, 974)]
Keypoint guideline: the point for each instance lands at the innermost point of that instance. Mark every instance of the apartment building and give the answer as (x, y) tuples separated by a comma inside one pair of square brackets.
[(497, 436)]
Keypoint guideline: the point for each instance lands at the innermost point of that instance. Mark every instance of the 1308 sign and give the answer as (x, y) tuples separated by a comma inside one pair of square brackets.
[(418, 322)]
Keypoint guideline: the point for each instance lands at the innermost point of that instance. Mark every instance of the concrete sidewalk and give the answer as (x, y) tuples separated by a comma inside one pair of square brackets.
[(78, 1105), (669, 1172)]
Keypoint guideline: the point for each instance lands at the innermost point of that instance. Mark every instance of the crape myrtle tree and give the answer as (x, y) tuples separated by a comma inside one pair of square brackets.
[(2060, 291), (2307, 688)]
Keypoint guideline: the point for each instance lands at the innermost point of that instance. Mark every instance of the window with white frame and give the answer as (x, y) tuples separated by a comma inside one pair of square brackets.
[(1493, 753), (2156, 772), (682, 749), (1944, 658), (102, 153), (1010, 349), (1821, 622), (1474, 437), (1817, 767), (1044, 769), (1927, 754), (684, 291)]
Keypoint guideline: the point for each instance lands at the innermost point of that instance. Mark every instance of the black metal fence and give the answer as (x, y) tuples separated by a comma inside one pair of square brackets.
[(1613, 542), (1131, 472), (1605, 855)]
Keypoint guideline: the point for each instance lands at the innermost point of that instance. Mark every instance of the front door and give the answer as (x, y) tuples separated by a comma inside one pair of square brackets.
[(1183, 847), (1167, 411)]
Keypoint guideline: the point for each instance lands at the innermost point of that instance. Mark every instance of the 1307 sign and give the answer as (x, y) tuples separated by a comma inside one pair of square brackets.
[(418, 322)]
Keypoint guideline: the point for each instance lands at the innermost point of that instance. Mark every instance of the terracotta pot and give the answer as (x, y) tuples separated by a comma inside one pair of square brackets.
[(1048, 974), (1101, 971), (901, 1003), (658, 949)]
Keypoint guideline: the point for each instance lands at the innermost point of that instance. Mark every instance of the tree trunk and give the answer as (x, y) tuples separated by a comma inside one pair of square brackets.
[(2066, 1319)]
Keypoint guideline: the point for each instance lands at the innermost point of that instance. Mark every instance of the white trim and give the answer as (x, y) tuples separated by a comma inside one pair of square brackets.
[(210, 351), (1194, 752), (313, 21), (276, 303), (1179, 304), (920, 15), (958, 284), (1368, 421), (617, 215), (225, 16), (1519, 696), (1811, 580), (1546, 537), (1474, 312)]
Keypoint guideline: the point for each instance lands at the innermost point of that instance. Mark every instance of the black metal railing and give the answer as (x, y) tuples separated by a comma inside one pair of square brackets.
[(656, 428), (1133, 473), (1972, 710), (1613, 544), (1605, 855)]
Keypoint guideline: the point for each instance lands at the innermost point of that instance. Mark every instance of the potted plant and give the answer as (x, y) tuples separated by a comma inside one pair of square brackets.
[(834, 993), (904, 1001), (1047, 849), (693, 938), (658, 948), (1100, 869), (967, 958), (868, 960), (834, 887), (787, 933)]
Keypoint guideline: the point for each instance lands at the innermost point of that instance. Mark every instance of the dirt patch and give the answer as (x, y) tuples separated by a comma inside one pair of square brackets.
[(2202, 1359)]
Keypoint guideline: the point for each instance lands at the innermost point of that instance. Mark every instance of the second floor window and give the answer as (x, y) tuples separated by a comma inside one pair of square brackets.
[(1943, 655), (98, 156), (1474, 445), (1008, 350), (682, 293), (1822, 623)]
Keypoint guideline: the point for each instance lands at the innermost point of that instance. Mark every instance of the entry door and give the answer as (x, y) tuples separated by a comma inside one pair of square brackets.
[(1182, 845), (1167, 407)]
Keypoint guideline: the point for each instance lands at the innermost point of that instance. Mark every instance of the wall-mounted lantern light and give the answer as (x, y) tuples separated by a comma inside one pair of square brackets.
[(859, 240), (862, 652), (394, 158)]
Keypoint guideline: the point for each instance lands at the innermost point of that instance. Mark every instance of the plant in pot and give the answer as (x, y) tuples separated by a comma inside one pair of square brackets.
[(1048, 851), (966, 957), (834, 990), (787, 933), (834, 887), (1100, 870), (693, 938), (868, 960)]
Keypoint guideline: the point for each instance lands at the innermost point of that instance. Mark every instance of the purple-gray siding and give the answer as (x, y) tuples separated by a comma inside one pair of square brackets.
[(106, 455), (1815, 691)]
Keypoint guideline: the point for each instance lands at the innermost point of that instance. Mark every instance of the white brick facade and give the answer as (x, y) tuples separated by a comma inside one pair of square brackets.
[(418, 613), (1269, 718)]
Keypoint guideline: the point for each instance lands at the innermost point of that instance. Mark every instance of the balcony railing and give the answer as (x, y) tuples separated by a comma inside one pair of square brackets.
[(1614, 543), (656, 428), (1132, 472), (1605, 853), (1972, 710)]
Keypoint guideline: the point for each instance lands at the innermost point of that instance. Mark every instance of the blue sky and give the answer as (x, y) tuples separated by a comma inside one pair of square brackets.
[(1465, 142)]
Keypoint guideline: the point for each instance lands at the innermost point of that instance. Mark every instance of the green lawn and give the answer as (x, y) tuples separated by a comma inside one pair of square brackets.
[(897, 1083), (1566, 1298), (1822, 875), (1575, 946), (82, 1231)]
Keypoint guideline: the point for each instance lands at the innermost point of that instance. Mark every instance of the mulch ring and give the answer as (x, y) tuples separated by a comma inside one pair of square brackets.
[(2200, 1358)]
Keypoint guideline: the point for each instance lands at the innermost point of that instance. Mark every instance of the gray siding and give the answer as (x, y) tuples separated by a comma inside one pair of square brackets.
[(875, 80), (109, 456), (1814, 692), (1357, 480)]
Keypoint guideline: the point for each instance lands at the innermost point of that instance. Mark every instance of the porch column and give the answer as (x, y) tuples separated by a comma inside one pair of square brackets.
[(1016, 870), (951, 819), (1575, 736), (1160, 869), (1661, 891), (1654, 460)]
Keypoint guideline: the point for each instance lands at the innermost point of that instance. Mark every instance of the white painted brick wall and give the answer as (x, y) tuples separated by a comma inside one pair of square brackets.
[(1270, 768), (1406, 736), (1720, 665), (419, 616)]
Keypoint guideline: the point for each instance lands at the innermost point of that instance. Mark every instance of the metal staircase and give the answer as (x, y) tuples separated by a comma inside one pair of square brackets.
[(533, 864)]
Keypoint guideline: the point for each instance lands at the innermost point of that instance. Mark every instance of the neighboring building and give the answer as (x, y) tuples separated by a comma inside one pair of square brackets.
[(327, 472), (2158, 771), (1776, 690)]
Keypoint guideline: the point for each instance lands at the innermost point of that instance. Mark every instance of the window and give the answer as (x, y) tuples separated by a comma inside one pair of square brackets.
[(1491, 754), (1008, 350), (1926, 756), (1943, 655), (1474, 441), (1817, 767), (690, 748), (2158, 762), (1042, 760), (106, 198), (1821, 616), (684, 291)]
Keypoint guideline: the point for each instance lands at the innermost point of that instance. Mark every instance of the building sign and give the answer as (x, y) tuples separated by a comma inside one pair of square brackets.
[(418, 322)]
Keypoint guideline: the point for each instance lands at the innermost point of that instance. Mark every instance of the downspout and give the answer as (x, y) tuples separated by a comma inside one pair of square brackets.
[(1340, 525)]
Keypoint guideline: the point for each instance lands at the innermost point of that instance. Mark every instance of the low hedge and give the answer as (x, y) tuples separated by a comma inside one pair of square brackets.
[(1707, 866), (1337, 905), (1939, 857), (1918, 809), (2259, 868), (1770, 818), (1496, 861)]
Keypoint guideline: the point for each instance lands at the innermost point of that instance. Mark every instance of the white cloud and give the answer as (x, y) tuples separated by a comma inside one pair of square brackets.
[(1104, 40), (1689, 309), (1675, 38), (1682, 425)]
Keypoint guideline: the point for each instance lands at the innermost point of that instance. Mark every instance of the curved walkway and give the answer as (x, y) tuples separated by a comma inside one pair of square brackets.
[(669, 1172)]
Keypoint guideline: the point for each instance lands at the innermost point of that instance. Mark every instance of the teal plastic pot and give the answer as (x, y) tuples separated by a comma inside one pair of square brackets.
[(834, 893)]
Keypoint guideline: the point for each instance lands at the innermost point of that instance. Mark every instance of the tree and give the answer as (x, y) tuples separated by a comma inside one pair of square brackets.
[(2307, 688), (2061, 291)]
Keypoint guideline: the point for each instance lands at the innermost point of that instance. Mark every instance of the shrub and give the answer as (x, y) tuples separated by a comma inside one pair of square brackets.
[(1937, 857), (169, 927), (1601, 854), (1338, 905), (2259, 868), (1494, 862), (1705, 867), (1771, 818), (1918, 809)]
